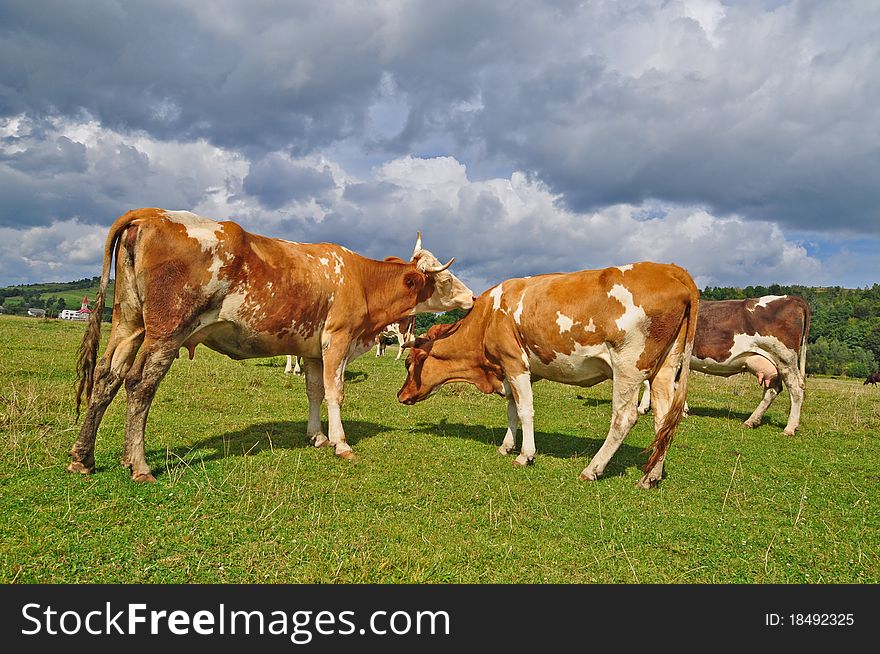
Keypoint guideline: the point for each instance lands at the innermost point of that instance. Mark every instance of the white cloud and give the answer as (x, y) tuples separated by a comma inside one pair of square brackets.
[(496, 228)]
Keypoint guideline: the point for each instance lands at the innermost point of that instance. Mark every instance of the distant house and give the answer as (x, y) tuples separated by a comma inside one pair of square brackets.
[(36, 313), (77, 314)]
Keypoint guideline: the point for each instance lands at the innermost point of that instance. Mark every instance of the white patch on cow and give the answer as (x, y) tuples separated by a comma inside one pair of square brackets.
[(231, 306), (324, 261), (565, 323), (623, 269), (525, 358), (591, 327), (202, 229), (764, 300), (346, 249), (519, 309), (633, 315), (744, 346), (496, 294), (586, 365), (214, 269), (340, 264)]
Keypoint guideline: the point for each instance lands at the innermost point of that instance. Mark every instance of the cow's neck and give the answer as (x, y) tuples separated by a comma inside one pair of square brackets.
[(384, 293)]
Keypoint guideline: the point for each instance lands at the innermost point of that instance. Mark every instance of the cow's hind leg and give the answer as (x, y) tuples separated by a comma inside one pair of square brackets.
[(141, 383), (624, 414), (314, 370), (770, 394), (109, 375), (662, 392), (509, 442), (795, 384)]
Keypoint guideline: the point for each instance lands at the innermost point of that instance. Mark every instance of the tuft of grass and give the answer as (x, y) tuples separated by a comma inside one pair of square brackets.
[(241, 497)]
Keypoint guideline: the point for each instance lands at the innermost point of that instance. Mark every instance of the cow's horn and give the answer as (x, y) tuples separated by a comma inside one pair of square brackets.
[(433, 271), (418, 244)]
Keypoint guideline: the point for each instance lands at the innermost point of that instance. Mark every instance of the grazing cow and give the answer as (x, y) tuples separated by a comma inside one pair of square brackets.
[(765, 336), (402, 330), (182, 280), (873, 378), (293, 365), (628, 324)]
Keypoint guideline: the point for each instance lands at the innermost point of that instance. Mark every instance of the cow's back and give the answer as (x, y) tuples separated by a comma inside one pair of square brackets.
[(727, 328), (570, 324)]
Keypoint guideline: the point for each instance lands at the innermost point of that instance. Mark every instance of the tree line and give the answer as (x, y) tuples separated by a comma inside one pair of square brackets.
[(844, 331), (844, 324)]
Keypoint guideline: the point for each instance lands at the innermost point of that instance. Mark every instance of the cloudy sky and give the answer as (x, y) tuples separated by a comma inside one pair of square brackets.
[(738, 139)]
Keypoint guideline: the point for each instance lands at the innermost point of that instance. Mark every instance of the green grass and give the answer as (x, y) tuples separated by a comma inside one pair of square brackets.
[(241, 497)]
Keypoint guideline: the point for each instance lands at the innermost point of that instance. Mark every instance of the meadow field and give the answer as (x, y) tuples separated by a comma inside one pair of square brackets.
[(241, 496)]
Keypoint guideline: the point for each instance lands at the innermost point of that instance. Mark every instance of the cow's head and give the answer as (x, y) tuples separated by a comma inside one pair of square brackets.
[(428, 369), (449, 291)]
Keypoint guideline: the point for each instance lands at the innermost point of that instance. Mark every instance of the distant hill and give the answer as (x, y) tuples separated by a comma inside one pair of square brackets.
[(844, 331), (53, 296)]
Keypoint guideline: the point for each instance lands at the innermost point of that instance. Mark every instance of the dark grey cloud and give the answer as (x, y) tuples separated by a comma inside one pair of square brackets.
[(276, 180), (762, 112), (766, 111)]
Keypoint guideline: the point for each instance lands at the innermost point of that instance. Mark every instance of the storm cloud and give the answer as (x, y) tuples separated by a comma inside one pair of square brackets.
[(740, 139)]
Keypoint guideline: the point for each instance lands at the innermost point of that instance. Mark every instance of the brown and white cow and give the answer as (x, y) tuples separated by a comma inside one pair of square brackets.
[(402, 330), (764, 336), (182, 280), (628, 323)]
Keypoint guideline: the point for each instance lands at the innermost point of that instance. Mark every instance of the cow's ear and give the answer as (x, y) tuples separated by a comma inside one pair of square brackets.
[(414, 281)]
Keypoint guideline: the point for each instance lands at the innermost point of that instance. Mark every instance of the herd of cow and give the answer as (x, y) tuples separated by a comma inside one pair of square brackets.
[(183, 280)]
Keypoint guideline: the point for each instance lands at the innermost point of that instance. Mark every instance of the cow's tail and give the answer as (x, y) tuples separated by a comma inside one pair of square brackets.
[(802, 354), (664, 435), (87, 359)]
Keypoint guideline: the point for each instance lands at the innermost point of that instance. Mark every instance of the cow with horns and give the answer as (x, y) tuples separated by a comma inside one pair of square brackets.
[(183, 280), (627, 323)]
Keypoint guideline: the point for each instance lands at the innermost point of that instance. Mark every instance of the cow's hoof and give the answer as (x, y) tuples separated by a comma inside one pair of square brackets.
[(504, 450), (748, 424), (647, 482), (786, 432), (348, 455), (588, 475), (522, 461), (81, 468), (143, 478), (320, 440)]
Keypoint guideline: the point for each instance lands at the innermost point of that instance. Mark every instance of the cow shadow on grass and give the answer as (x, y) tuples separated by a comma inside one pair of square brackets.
[(556, 444), (253, 439), (735, 416)]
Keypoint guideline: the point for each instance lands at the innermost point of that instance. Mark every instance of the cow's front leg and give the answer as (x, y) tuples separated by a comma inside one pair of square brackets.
[(335, 360), (509, 442), (314, 370), (521, 389), (645, 404)]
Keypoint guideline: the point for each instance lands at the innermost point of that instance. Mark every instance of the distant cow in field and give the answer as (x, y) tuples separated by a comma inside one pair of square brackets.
[(293, 365), (402, 330), (182, 280), (873, 378), (629, 323), (765, 336)]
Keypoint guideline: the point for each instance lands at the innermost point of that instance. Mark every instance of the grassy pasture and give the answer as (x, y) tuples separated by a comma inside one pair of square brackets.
[(241, 497)]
